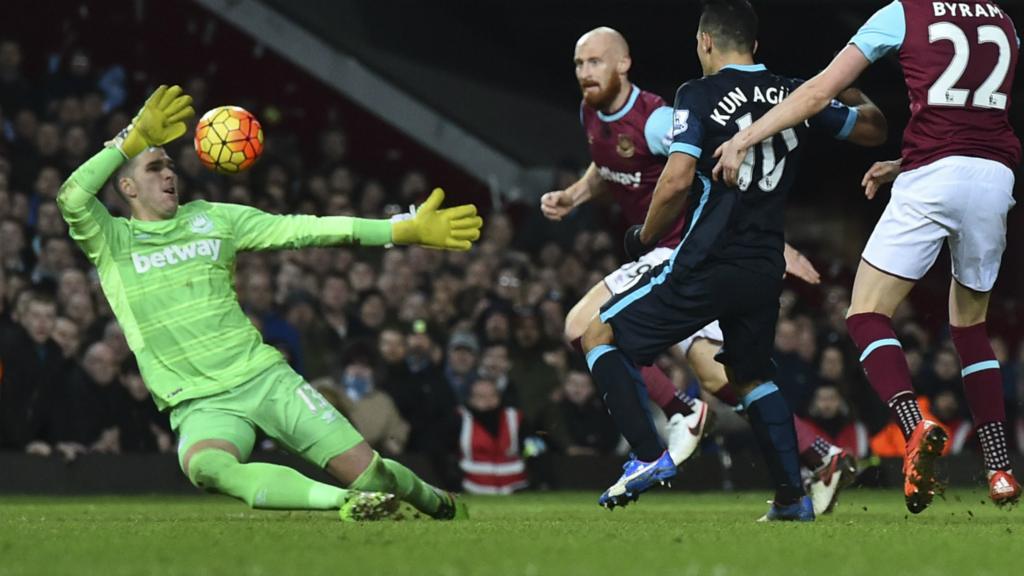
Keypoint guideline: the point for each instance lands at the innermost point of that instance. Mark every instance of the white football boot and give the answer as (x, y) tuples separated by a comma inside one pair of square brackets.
[(684, 432)]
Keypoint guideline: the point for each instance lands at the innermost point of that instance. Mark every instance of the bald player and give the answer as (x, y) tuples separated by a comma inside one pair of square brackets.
[(629, 133)]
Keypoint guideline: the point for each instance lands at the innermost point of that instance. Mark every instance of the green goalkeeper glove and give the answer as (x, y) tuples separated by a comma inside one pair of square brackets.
[(449, 228), (161, 120)]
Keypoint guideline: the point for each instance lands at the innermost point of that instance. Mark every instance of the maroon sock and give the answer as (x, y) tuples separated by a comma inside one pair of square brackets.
[(813, 448), (663, 392), (728, 396), (885, 366), (577, 345), (983, 386)]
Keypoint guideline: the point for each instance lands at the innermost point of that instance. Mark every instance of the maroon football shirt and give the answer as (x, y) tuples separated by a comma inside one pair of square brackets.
[(958, 59), (625, 161)]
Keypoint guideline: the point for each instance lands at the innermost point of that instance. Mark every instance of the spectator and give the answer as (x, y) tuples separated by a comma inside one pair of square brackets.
[(140, 426), (946, 407), (580, 424), (13, 245), (67, 336), (334, 301), (80, 309), (49, 222), (373, 314), (943, 375), (397, 381), (258, 300), (113, 337), (794, 374), (832, 370), (830, 415), (15, 91), (537, 382), (56, 254), (489, 443), (461, 365), (321, 345), (495, 366), (96, 396), (33, 372), (369, 409), (495, 325)]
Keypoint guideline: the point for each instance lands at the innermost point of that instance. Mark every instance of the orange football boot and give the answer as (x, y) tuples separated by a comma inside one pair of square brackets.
[(923, 448)]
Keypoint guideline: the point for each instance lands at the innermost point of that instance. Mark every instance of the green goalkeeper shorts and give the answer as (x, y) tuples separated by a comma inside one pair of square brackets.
[(280, 403)]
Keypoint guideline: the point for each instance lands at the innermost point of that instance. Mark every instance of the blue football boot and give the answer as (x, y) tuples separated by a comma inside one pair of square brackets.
[(800, 511), (637, 477)]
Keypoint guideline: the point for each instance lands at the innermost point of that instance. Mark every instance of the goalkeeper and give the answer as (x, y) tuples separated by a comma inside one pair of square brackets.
[(168, 273)]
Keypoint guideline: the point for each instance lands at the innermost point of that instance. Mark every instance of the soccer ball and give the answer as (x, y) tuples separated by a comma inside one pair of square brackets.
[(228, 139)]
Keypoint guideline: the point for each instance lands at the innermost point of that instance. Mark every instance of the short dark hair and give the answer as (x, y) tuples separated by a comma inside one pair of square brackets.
[(42, 294), (125, 171), (732, 23)]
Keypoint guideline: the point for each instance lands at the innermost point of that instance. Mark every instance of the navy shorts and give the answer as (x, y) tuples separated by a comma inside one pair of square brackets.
[(665, 307)]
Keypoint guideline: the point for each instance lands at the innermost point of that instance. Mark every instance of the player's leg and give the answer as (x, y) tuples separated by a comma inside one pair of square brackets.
[(580, 316), (749, 332), (659, 385), (827, 467), (298, 416), (700, 354), (976, 248), (983, 387), (876, 295), (814, 449), (385, 474), (622, 389), (635, 327), (213, 448), (772, 423), (902, 248)]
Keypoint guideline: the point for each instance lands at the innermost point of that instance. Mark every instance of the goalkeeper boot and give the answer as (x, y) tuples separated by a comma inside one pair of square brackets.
[(637, 477), (367, 506), (451, 508), (800, 511)]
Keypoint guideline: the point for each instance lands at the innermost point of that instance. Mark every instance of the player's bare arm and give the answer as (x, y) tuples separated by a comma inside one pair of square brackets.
[(871, 128), (557, 204), (668, 199), (806, 101), (798, 265), (880, 174)]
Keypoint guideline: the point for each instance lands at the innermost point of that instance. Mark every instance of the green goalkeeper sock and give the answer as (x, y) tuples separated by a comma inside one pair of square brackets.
[(385, 475), (261, 485)]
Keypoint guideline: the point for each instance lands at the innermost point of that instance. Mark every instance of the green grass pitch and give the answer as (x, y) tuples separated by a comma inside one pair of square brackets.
[(666, 533)]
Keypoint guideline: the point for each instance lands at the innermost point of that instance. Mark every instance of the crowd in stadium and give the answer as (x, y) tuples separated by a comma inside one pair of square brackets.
[(400, 340)]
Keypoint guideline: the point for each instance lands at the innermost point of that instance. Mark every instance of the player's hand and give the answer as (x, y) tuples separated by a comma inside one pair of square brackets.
[(879, 174), (798, 265), (556, 205), (453, 228), (635, 248), (730, 157), (161, 120)]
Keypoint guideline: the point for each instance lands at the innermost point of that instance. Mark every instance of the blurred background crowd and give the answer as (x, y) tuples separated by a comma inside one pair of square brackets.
[(414, 346)]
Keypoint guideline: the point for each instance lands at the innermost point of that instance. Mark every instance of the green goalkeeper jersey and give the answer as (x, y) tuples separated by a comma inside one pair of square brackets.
[(171, 284)]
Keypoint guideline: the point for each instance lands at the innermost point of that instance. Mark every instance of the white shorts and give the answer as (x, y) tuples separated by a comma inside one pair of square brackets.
[(627, 274), (710, 332), (960, 200), (621, 279)]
